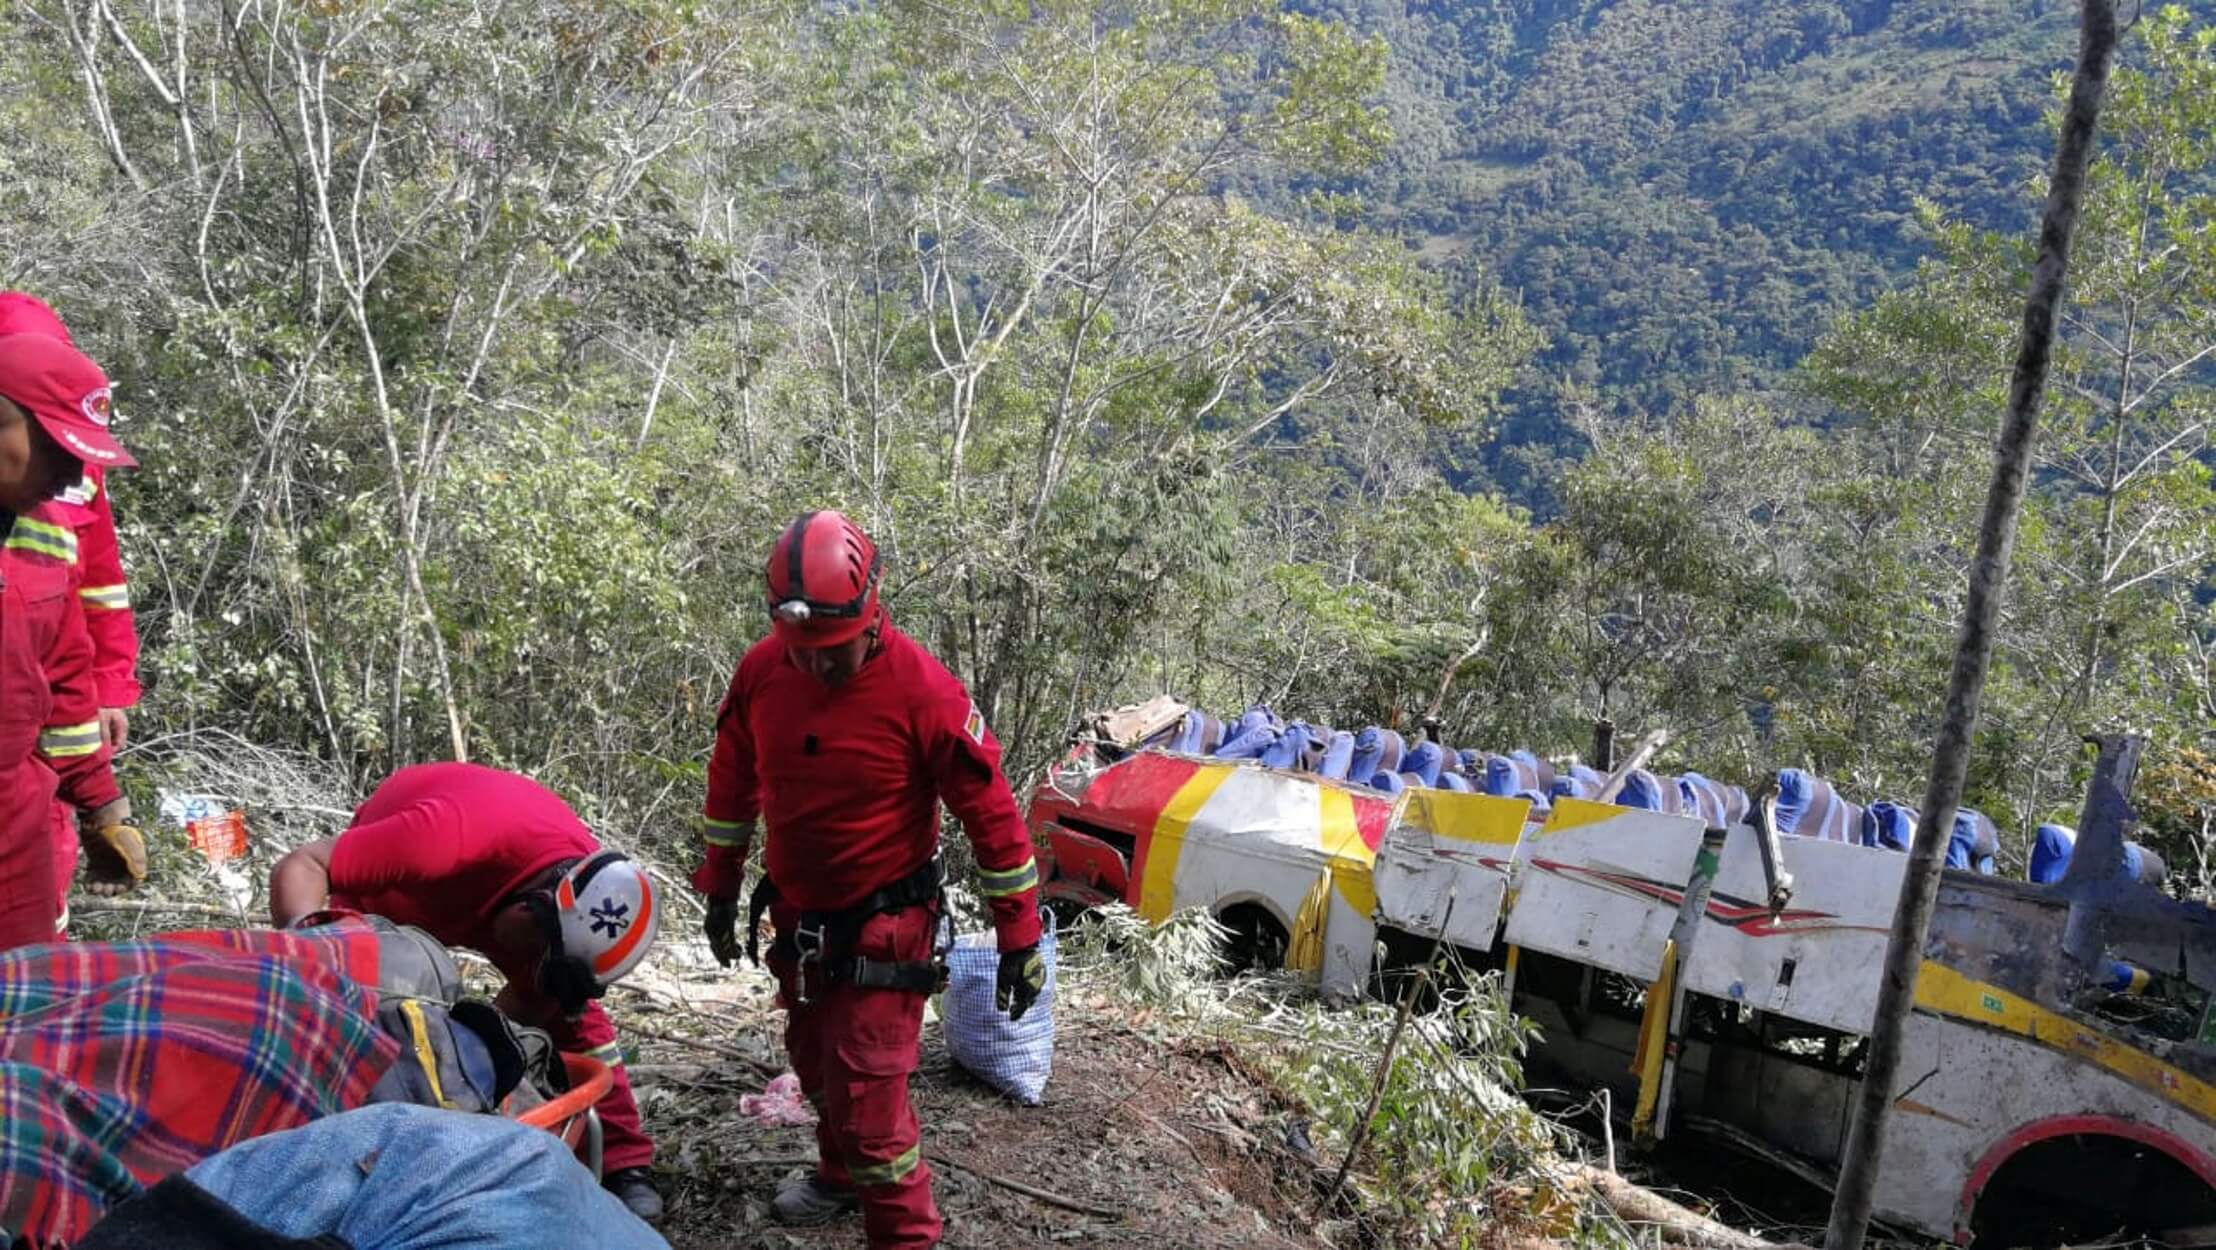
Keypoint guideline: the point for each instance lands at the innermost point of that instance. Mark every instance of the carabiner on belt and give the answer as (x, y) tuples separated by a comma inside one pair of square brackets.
[(808, 945)]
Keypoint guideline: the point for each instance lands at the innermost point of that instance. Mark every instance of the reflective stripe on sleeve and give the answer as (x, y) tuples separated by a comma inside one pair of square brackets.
[(106, 598), (69, 741), (1024, 876), (53, 541)]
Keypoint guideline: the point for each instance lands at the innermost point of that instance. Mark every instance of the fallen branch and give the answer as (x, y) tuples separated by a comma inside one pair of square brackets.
[(702, 1044), (1047, 1196), (1679, 1225), (1415, 987), (1377, 1086), (684, 1073), (145, 907)]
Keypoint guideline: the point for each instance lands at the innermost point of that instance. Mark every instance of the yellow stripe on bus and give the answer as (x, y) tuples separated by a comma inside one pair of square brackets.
[(1943, 991), (1158, 885)]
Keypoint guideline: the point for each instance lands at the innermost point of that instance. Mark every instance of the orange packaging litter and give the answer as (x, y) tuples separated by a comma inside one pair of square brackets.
[(220, 837)]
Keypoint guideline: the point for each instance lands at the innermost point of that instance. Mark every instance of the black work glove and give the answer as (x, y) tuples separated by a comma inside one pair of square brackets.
[(722, 928), (1022, 980)]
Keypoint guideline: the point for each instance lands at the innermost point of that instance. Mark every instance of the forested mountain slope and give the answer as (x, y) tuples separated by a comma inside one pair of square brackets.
[(1685, 193)]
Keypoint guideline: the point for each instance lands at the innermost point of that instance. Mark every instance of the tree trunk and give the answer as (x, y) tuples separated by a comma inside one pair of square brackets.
[(1851, 1206)]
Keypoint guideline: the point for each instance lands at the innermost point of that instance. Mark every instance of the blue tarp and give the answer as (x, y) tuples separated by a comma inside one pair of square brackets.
[(2143, 865), (1423, 763), (1974, 842), (2050, 853), (1648, 792), (1580, 782), (1338, 753), (1375, 751), (1720, 805), (2053, 846), (1501, 776), (1290, 750), (1251, 744), (1198, 734), (1808, 807), (1516, 772), (1888, 825)]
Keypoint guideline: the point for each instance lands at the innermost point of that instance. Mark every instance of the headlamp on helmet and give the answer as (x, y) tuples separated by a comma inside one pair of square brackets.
[(821, 581)]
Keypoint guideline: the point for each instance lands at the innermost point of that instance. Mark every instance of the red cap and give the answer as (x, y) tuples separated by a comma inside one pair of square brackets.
[(66, 393), (22, 313)]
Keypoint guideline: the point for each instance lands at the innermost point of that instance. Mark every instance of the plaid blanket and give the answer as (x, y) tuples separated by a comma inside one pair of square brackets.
[(123, 1062)]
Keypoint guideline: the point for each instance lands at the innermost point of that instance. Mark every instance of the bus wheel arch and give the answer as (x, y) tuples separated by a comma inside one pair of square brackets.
[(2012, 1170), (1258, 937)]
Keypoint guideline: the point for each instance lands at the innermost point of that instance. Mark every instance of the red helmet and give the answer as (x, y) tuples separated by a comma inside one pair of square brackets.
[(822, 576)]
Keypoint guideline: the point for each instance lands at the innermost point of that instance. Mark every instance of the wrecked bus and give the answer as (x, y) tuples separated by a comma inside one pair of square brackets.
[(1721, 981)]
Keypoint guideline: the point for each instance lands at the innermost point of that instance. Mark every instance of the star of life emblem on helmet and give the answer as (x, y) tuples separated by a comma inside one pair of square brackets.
[(611, 917)]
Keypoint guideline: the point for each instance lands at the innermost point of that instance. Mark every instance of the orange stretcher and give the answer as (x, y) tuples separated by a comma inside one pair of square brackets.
[(571, 1117)]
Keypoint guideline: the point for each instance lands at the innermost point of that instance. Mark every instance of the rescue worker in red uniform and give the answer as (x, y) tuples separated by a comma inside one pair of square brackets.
[(70, 743), (843, 736), (54, 410), (497, 863), (106, 596), (94, 670)]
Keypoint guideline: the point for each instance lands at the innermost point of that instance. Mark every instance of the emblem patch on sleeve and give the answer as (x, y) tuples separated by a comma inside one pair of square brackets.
[(974, 725)]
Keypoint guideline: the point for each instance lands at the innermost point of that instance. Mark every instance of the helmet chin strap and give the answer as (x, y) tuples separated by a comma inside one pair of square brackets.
[(557, 971)]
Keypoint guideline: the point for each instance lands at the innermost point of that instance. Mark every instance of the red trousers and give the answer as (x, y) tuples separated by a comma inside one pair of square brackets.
[(853, 1050), (28, 901), (66, 850), (623, 1139), (624, 1143)]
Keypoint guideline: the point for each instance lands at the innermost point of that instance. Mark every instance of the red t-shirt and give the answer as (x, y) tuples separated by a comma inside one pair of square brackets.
[(848, 779), (440, 846)]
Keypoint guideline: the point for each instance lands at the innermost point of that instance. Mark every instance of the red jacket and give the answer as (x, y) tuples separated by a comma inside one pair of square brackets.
[(848, 780), (105, 595), (41, 553), (40, 624), (442, 846)]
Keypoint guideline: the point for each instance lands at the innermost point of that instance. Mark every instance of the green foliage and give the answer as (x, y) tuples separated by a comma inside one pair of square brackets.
[(1449, 1132), (474, 353), (1685, 194), (2107, 618)]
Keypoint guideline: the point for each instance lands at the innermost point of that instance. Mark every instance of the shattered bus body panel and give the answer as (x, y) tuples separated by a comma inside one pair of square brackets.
[(2023, 1083), (1443, 871), (1810, 961), (1602, 885)]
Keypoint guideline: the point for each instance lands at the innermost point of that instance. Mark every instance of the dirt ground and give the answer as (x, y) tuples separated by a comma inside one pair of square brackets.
[(1159, 1142)]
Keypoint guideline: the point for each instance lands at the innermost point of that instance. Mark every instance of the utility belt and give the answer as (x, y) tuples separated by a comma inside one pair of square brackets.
[(825, 939)]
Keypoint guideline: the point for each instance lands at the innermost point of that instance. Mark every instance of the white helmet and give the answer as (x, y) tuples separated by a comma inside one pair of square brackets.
[(604, 918)]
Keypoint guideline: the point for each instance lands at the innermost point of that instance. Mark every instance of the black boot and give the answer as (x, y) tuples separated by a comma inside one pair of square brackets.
[(635, 1186)]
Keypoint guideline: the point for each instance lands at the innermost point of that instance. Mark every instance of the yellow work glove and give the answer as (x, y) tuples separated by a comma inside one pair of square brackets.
[(115, 852)]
